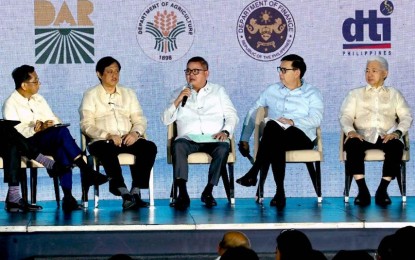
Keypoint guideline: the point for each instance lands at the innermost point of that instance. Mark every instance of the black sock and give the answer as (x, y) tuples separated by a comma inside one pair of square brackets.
[(383, 185), (67, 193), (181, 185), (81, 164), (361, 184), (208, 189)]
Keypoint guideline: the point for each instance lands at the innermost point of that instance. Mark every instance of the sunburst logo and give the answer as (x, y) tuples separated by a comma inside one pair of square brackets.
[(165, 31), (59, 38), (265, 30)]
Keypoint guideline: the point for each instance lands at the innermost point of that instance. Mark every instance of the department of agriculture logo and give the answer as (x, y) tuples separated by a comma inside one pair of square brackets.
[(165, 31), (265, 30), (59, 37)]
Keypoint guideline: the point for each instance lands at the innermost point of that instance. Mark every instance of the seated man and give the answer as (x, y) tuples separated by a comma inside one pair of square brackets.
[(113, 119), (37, 123), (295, 110), (12, 146), (374, 117), (205, 118)]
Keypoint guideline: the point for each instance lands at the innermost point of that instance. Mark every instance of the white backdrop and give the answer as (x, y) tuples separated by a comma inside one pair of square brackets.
[(211, 32)]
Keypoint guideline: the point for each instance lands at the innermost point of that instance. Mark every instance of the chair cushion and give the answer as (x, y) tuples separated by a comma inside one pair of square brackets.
[(303, 156), (205, 158), (379, 155)]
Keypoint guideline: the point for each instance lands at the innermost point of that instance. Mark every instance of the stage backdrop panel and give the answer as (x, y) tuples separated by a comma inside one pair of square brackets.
[(243, 41)]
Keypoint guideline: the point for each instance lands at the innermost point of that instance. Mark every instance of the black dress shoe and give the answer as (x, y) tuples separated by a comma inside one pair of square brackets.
[(182, 203), (70, 204), (278, 201), (209, 200), (247, 180), (382, 198), (139, 203), (362, 199), (58, 169), (92, 177), (127, 201), (21, 206)]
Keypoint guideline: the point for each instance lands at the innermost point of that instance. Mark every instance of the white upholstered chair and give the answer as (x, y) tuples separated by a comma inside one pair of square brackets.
[(204, 158), (125, 159), (311, 158), (376, 155)]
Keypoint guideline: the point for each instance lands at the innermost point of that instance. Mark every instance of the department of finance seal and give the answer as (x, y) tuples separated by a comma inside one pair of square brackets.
[(265, 30), (165, 31)]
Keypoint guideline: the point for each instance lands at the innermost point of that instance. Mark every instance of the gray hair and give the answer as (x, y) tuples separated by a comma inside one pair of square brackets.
[(383, 62)]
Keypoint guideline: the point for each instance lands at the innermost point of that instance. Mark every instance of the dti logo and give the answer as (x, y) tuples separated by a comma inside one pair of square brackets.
[(369, 32), (60, 38), (165, 31)]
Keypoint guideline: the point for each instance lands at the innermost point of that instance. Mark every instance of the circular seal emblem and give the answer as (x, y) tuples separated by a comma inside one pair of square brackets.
[(165, 31), (265, 30)]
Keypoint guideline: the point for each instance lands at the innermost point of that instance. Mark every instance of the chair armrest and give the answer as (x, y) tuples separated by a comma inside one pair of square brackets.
[(261, 113), (171, 135), (406, 141), (341, 146), (319, 140)]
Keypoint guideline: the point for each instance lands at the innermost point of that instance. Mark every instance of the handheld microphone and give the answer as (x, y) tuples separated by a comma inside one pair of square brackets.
[(185, 97)]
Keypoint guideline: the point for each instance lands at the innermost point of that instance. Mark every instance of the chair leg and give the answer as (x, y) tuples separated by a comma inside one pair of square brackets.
[(173, 194), (57, 192), (260, 190), (150, 187), (33, 185), (231, 183), (347, 184), (401, 179), (85, 190), (96, 196), (315, 175), (23, 184), (96, 189), (225, 179)]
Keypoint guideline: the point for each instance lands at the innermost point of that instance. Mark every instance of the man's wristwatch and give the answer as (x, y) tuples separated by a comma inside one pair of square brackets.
[(225, 132), (399, 133)]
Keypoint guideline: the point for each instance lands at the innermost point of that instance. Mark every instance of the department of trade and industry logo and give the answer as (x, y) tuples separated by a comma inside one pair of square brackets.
[(165, 31), (265, 30), (369, 32), (60, 38)]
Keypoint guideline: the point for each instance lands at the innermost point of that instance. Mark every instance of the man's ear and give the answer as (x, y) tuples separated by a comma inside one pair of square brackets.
[(23, 86), (385, 75), (98, 75)]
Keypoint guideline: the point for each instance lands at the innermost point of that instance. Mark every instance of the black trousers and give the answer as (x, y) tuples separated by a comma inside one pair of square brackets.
[(355, 150), (182, 148), (274, 143), (145, 152), (12, 146)]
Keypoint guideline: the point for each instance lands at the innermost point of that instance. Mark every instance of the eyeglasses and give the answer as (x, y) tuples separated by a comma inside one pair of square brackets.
[(37, 82), (193, 71), (284, 70)]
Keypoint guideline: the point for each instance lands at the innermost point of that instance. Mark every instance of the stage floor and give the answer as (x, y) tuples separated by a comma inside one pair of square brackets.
[(331, 226)]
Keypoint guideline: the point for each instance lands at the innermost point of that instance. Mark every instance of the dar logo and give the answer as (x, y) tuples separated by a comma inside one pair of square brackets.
[(59, 38), (265, 30), (165, 31)]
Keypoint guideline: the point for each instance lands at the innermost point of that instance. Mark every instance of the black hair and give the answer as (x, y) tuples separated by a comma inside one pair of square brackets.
[(297, 63), (105, 62), (22, 74), (201, 60)]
